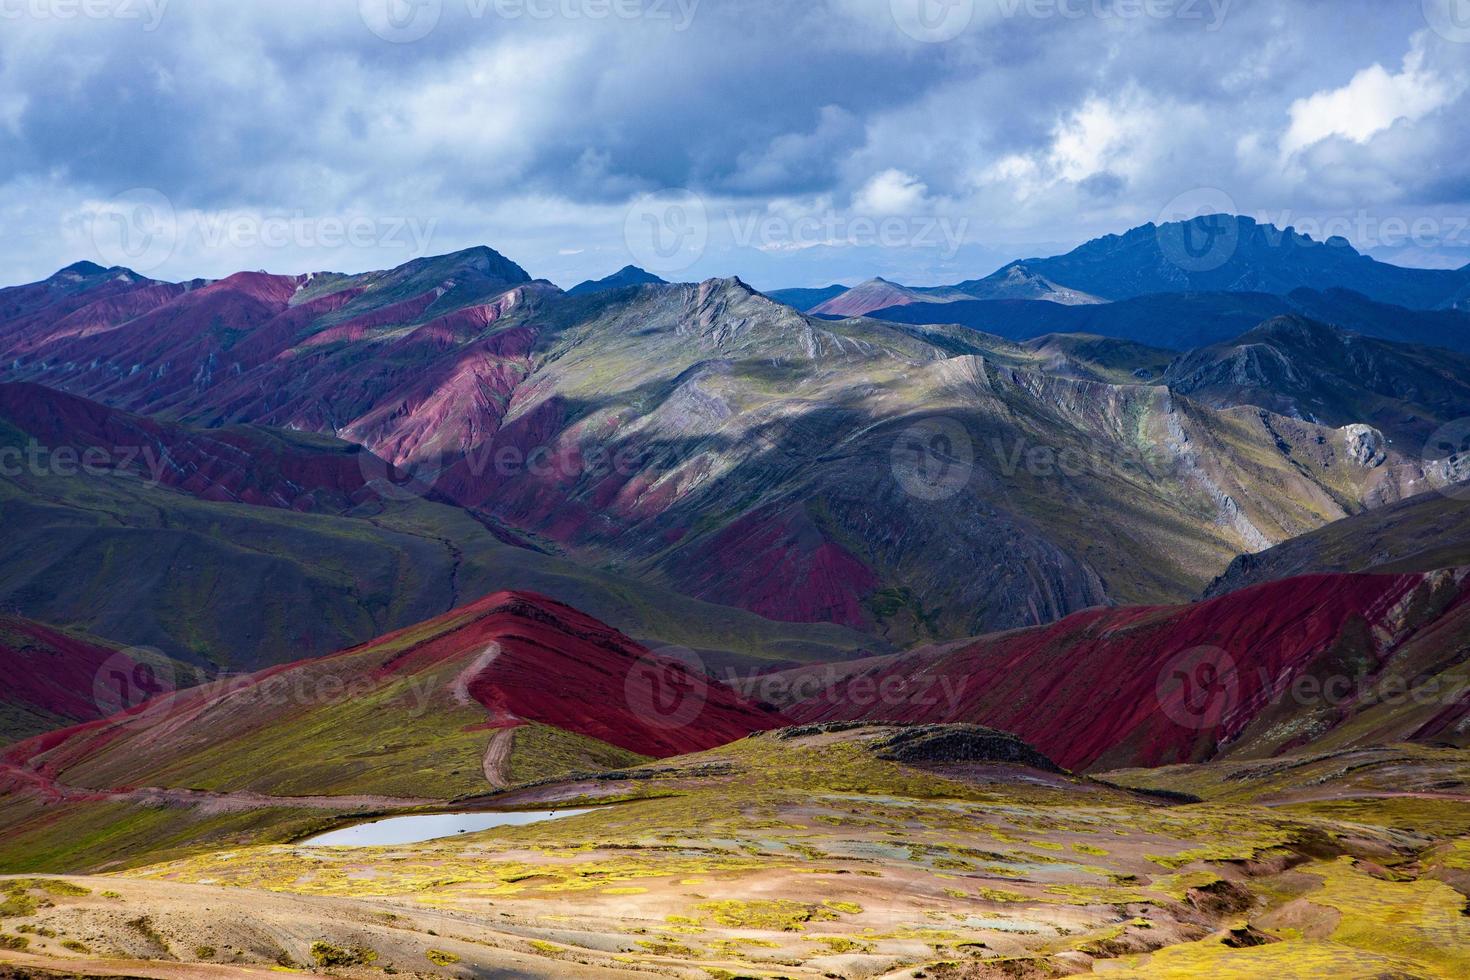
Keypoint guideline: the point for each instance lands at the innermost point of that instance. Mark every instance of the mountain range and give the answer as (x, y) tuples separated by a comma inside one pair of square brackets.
[(698, 439), (1254, 673), (1146, 285), (811, 645)]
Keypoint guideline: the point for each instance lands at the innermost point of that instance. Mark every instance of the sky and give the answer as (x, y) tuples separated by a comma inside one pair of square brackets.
[(790, 142)]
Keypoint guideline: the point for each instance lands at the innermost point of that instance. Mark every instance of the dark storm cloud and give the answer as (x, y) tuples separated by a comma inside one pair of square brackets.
[(530, 124)]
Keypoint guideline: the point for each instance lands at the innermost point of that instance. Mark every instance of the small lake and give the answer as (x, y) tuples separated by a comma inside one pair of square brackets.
[(429, 826)]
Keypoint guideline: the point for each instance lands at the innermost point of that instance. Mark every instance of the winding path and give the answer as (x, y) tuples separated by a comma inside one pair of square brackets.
[(497, 758)]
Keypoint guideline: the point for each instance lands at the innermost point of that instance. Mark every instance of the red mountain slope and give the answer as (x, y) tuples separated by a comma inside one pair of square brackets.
[(79, 301), (241, 464), (561, 667), (706, 439), (54, 679), (1252, 672), (416, 711), (354, 355)]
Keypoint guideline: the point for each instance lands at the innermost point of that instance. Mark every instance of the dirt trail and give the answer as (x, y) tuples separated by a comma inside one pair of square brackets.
[(497, 758)]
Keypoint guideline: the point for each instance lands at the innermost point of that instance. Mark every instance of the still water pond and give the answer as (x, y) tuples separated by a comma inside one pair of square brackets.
[(429, 826)]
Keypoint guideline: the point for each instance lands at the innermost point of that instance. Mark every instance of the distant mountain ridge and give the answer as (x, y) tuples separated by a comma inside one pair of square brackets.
[(629, 275), (704, 438), (1020, 281), (1187, 321), (1234, 253), (804, 299), (1015, 281), (878, 293), (1298, 367)]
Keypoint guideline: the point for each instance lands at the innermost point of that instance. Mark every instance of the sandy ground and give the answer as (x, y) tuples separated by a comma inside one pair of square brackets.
[(165, 929)]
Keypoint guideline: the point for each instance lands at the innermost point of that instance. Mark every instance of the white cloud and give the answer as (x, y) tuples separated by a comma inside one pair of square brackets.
[(1370, 103), (891, 192), (1086, 142)]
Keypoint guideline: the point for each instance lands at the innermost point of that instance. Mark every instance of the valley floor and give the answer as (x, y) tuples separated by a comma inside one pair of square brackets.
[(811, 853)]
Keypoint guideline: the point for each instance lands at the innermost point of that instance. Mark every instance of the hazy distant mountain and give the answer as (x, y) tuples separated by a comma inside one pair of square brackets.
[(805, 299), (628, 275), (1018, 281), (1177, 321), (1236, 254), (879, 293), (1185, 321), (1352, 310), (1013, 282)]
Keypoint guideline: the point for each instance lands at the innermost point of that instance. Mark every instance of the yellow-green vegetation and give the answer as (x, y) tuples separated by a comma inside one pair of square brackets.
[(439, 957), (38, 837), (326, 954), (541, 752), (763, 856), (844, 944), (1382, 929), (407, 738), (1422, 920), (771, 914)]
